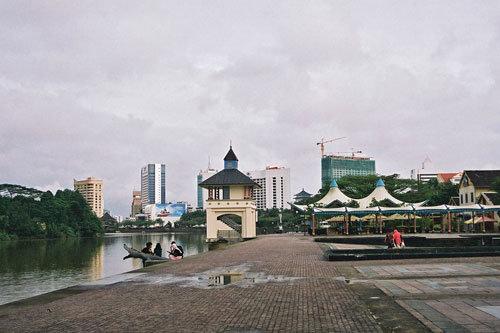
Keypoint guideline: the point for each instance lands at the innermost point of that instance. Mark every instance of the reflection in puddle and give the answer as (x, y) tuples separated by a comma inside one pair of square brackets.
[(227, 278), (219, 277)]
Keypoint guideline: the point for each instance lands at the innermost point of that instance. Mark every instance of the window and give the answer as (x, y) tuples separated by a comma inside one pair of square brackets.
[(472, 197), (461, 198), (225, 192), (466, 197)]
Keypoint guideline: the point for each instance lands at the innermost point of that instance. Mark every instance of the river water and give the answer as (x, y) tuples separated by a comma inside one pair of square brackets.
[(33, 267)]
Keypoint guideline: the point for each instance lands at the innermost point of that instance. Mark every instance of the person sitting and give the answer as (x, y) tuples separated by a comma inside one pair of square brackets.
[(158, 251), (389, 239), (175, 252), (148, 249)]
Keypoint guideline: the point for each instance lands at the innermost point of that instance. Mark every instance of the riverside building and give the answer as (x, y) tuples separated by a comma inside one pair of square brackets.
[(274, 191), (335, 167), (91, 190), (153, 188)]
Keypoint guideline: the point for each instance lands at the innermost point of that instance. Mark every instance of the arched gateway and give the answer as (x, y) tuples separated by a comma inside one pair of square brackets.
[(230, 198)]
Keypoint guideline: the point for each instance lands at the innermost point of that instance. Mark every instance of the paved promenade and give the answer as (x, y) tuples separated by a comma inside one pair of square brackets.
[(277, 283)]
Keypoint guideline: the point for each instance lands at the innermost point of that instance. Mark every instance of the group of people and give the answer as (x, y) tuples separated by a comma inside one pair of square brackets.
[(176, 251), (394, 239)]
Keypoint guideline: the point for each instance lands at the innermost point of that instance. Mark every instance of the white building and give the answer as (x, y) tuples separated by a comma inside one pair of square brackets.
[(153, 188), (203, 193), (425, 173), (275, 189)]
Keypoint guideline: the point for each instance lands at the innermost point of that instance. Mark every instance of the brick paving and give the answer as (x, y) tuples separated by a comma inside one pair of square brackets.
[(302, 293), (287, 287)]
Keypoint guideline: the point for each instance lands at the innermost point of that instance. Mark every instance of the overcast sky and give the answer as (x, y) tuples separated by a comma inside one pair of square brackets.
[(103, 88)]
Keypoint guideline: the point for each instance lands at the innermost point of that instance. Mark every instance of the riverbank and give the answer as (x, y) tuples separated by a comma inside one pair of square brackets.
[(33, 267), (276, 283)]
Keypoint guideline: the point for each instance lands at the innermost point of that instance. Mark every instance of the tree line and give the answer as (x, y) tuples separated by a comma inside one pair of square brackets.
[(31, 213)]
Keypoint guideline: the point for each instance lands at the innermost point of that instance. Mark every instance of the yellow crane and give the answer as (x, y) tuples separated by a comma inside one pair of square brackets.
[(322, 143)]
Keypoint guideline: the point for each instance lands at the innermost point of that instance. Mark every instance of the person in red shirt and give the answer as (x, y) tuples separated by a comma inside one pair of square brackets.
[(397, 238)]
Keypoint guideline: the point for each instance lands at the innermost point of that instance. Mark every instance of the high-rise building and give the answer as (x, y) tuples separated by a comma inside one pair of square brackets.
[(91, 190), (203, 193), (153, 189), (335, 167), (275, 189), (136, 203)]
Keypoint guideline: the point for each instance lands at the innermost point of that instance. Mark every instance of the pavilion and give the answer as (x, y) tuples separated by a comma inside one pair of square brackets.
[(323, 208)]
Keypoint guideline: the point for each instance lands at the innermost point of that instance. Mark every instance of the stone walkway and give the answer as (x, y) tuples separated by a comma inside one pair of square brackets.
[(290, 288), (276, 283)]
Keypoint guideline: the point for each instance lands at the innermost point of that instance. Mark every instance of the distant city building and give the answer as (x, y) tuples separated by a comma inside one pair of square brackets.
[(302, 195), (136, 203), (274, 191), (118, 218), (426, 173), (453, 177), (153, 189), (203, 193), (91, 190), (335, 167)]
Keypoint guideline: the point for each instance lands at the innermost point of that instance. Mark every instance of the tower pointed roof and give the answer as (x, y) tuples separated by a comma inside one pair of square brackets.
[(230, 156), (380, 182), (333, 183)]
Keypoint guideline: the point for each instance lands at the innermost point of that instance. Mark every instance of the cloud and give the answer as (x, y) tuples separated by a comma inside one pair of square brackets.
[(101, 89)]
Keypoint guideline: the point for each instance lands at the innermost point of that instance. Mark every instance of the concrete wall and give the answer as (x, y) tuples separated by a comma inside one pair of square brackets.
[(243, 208)]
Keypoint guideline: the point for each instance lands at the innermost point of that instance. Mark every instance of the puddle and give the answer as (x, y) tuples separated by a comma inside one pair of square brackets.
[(219, 277), (227, 278)]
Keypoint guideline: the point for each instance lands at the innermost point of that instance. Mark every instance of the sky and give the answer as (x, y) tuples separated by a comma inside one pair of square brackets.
[(102, 88)]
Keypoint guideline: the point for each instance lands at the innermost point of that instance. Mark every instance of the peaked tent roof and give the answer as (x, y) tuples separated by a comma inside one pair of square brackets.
[(333, 194), (230, 156), (229, 177), (380, 193)]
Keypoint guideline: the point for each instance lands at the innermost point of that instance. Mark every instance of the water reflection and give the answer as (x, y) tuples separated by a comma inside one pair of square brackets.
[(29, 268)]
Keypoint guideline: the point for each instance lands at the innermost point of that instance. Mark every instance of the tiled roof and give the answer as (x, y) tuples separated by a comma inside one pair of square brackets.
[(230, 156), (447, 176), (494, 197), (482, 178), (302, 194), (229, 177)]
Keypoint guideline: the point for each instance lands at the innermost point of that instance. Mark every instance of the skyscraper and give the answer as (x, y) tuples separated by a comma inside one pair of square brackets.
[(91, 190), (153, 189), (203, 193), (335, 167), (275, 187)]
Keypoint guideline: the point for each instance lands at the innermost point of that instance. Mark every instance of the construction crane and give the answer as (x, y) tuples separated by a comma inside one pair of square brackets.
[(322, 143), (349, 152)]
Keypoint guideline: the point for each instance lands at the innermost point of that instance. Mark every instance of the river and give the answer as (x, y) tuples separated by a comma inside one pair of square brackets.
[(33, 267)]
